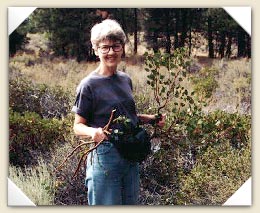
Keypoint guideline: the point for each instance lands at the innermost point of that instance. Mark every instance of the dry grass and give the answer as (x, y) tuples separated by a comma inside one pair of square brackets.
[(37, 182), (234, 91), (66, 74)]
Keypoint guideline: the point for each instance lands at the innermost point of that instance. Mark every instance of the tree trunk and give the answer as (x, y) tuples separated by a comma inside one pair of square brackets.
[(190, 31), (248, 44), (184, 27), (155, 42), (176, 36), (241, 44), (222, 44), (210, 38), (168, 36), (228, 51), (135, 31)]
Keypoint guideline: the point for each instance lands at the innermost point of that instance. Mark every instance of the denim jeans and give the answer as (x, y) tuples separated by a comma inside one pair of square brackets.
[(110, 179)]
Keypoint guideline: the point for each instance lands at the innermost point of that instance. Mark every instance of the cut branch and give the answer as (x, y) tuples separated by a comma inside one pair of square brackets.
[(85, 154)]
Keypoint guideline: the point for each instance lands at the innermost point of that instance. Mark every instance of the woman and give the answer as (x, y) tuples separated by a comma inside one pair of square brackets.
[(111, 179)]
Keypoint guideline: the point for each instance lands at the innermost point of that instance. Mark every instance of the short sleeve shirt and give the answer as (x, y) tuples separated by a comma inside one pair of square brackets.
[(98, 95)]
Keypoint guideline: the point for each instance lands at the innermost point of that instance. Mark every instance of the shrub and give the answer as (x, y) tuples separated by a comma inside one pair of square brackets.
[(197, 138), (41, 99), (196, 167), (205, 83), (29, 133), (217, 175)]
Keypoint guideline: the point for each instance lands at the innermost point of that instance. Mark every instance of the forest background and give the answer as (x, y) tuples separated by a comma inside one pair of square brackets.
[(208, 157)]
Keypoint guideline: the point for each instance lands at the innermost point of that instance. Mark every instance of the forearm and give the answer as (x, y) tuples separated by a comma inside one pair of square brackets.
[(83, 130), (146, 118), (158, 120)]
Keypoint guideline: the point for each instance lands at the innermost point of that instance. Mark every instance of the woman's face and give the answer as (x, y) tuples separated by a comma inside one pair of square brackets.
[(110, 52)]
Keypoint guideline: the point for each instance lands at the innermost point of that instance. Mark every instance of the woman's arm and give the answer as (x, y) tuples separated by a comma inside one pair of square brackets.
[(151, 119), (80, 128), (146, 118)]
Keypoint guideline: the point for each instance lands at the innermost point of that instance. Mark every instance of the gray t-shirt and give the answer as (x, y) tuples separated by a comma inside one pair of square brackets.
[(98, 95)]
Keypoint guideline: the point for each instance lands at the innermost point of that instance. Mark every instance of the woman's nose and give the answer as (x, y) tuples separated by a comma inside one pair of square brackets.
[(111, 50)]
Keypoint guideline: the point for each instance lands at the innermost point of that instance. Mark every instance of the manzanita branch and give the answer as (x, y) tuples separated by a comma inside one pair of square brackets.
[(85, 154), (72, 152), (166, 85)]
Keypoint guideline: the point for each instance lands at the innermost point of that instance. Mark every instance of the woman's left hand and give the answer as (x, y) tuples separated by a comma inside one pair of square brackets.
[(161, 122)]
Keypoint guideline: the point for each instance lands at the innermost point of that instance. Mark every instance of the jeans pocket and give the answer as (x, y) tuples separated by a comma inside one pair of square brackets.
[(104, 148), (106, 156)]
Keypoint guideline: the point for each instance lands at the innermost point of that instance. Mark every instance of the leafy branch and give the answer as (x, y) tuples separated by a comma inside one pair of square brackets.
[(166, 74)]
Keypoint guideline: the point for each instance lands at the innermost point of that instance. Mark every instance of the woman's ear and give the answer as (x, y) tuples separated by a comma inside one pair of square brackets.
[(96, 52)]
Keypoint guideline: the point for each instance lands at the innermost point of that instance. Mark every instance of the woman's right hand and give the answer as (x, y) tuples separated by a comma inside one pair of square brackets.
[(98, 135)]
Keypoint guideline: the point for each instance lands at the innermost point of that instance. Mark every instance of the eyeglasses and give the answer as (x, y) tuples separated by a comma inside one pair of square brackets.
[(116, 48)]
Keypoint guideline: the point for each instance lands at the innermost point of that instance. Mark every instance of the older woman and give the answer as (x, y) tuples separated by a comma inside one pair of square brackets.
[(111, 179)]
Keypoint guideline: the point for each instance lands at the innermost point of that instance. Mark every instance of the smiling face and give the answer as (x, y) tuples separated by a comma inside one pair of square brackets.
[(110, 53)]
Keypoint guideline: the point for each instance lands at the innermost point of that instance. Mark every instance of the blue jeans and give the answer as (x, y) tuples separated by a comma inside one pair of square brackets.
[(110, 179)]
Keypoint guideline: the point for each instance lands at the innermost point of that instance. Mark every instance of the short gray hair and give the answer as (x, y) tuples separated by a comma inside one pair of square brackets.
[(107, 29)]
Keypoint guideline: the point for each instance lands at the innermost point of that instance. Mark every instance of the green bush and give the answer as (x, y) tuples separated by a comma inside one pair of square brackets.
[(28, 132), (218, 173), (210, 129), (190, 142), (205, 83)]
